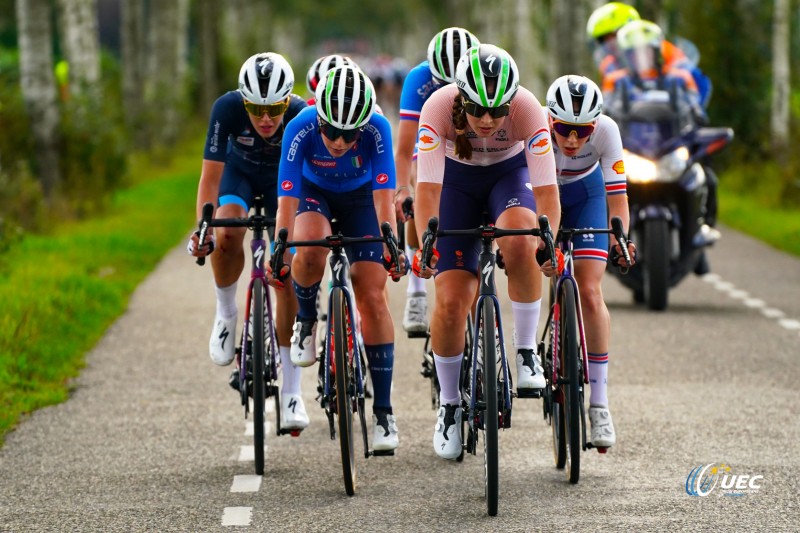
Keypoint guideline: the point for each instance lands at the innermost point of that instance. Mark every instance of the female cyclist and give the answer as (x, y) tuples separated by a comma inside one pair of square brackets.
[(243, 148), (591, 174), (337, 163), (444, 51), (484, 145)]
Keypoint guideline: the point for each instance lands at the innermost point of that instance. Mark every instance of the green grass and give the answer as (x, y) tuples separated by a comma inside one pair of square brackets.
[(778, 227), (60, 292)]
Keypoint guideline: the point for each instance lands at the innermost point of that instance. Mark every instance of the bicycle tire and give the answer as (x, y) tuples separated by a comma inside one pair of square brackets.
[(492, 413), (258, 355), (570, 353), (555, 400), (344, 377)]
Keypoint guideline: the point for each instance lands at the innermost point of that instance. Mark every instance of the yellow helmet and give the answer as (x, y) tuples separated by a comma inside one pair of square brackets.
[(608, 18)]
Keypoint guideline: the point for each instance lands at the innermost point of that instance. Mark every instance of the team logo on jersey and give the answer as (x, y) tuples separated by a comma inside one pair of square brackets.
[(619, 167), (382, 178), (286, 185), (357, 161), (428, 139), (247, 141), (539, 143), (312, 201)]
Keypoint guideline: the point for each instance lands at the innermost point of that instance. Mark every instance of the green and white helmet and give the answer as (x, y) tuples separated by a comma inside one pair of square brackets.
[(345, 98), (445, 49), (487, 75)]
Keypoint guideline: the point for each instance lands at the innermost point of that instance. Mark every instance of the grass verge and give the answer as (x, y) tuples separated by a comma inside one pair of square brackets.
[(778, 227), (61, 291)]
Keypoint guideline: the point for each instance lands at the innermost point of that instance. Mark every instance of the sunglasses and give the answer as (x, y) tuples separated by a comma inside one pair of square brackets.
[(333, 133), (273, 110), (478, 110), (565, 129)]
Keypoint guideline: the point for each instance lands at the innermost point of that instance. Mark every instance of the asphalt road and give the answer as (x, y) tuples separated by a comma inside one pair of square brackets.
[(152, 437)]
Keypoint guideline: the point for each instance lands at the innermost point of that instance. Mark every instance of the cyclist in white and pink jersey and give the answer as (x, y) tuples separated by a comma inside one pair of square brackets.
[(484, 146), (592, 184)]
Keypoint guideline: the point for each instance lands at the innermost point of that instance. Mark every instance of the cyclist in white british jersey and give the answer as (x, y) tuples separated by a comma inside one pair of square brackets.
[(484, 145), (592, 185)]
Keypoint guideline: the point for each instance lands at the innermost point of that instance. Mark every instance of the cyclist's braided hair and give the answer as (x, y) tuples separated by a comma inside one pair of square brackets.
[(463, 146)]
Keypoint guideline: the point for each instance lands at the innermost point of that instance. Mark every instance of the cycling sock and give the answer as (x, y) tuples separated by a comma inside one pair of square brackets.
[(598, 379), (291, 373), (416, 285), (226, 301), (380, 359), (526, 321), (306, 300), (448, 369)]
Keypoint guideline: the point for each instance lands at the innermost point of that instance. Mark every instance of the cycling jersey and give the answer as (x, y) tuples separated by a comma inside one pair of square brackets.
[(304, 155), (417, 88), (524, 130)]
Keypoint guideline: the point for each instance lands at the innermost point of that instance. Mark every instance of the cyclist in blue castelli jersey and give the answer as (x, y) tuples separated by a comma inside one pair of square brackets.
[(337, 163), (592, 188), (241, 157), (444, 51)]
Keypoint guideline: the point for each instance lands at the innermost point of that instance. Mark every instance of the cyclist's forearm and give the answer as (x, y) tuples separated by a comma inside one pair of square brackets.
[(287, 208), (426, 205), (548, 203), (208, 188), (618, 207)]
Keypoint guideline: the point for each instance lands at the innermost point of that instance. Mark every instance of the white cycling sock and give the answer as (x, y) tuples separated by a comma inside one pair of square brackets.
[(448, 369), (598, 379), (226, 301), (416, 285), (291, 373), (526, 321)]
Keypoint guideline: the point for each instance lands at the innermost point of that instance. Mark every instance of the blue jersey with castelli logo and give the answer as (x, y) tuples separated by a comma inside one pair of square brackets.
[(233, 140), (417, 87), (304, 155)]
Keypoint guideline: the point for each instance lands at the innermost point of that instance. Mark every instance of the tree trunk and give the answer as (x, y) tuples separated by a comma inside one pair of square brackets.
[(81, 43), (780, 79), (208, 18), (133, 53), (39, 88)]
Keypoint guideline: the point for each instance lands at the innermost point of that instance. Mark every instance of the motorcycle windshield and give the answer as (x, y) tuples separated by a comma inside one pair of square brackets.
[(651, 129)]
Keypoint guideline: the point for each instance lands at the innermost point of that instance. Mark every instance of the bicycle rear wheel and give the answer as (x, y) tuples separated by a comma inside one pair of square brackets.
[(570, 354), (257, 306), (491, 414), (343, 361)]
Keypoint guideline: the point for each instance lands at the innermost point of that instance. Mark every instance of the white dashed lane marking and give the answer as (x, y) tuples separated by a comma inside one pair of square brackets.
[(754, 303), (246, 483), (237, 516)]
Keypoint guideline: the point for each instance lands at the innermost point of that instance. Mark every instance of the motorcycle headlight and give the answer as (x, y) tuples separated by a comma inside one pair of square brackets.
[(667, 169)]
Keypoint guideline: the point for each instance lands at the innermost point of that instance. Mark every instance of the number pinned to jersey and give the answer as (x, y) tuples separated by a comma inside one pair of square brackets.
[(539, 143), (428, 139)]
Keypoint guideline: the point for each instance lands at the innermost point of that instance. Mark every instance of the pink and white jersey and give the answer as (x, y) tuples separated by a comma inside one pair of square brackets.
[(524, 129), (604, 148)]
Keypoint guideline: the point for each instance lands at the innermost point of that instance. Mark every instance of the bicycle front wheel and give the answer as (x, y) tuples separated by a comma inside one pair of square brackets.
[(492, 413), (570, 355), (258, 358), (343, 361)]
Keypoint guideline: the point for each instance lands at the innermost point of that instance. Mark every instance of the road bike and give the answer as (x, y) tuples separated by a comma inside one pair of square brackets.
[(485, 382), (257, 353), (342, 379), (562, 349)]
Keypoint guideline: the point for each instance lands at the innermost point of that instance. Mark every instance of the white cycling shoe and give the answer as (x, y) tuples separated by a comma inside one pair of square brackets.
[(384, 434), (415, 314), (303, 350), (293, 412), (222, 345), (603, 434), (447, 432), (530, 374)]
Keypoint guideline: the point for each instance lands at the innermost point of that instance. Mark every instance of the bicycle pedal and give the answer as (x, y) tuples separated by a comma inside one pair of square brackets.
[(417, 334), (382, 453), (294, 432), (529, 393), (602, 449)]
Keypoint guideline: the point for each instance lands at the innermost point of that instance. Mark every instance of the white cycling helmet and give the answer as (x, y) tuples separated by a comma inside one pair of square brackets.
[(322, 65), (445, 49), (266, 78), (345, 98), (574, 99), (487, 75)]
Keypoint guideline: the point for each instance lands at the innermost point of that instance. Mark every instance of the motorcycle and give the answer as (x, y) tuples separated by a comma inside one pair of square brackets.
[(664, 153)]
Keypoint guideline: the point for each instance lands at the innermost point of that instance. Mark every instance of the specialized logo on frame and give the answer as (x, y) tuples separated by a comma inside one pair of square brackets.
[(704, 479)]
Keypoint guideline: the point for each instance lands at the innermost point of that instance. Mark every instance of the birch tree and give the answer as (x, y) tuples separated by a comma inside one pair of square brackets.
[(81, 43), (780, 79), (39, 88), (133, 52)]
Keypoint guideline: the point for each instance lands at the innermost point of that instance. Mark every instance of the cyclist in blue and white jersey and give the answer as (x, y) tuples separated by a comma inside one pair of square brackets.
[(337, 163), (444, 51), (592, 187), (241, 158)]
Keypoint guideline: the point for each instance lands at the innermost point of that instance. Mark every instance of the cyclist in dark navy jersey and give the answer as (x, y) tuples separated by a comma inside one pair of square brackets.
[(241, 158), (337, 163)]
